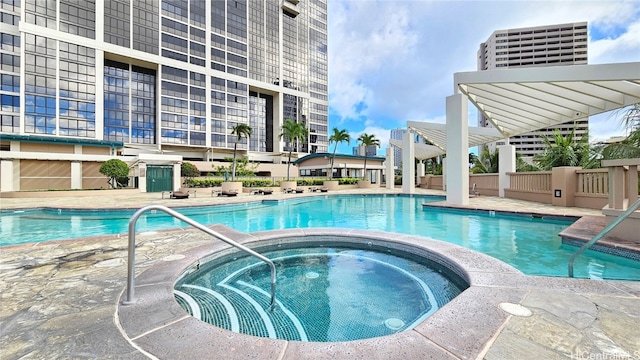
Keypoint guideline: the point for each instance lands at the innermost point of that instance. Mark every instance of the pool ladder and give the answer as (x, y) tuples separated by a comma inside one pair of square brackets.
[(131, 281), (602, 233)]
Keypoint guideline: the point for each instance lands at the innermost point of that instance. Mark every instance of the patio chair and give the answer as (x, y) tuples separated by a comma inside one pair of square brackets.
[(299, 190), (324, 189), (266, 191), (228, 193), (179, 195)]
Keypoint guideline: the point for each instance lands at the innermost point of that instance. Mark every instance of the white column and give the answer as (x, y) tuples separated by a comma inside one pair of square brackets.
[(408, 167), (142, 177), (99, 95), (390, 173), (457, 150), (506, 163), (76, 175), (177, 176), (6, 175), (444, 174)]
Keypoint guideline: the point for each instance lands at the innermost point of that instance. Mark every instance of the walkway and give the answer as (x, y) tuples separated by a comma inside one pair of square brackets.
[(59, 299)]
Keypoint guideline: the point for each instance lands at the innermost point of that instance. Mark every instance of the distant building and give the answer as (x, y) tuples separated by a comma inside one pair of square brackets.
[(397, 134), (553, 45), (344, 166), (362, 150)]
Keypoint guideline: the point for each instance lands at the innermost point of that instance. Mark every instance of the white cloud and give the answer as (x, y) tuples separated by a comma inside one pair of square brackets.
[(381, 134), (391, 61), (624, 48)]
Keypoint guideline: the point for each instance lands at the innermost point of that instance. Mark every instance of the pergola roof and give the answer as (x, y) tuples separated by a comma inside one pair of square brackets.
[(421, 151), (437, 134), (518, 101)]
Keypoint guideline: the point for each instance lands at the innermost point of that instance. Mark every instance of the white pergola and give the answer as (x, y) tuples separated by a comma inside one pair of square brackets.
[(517, 101)]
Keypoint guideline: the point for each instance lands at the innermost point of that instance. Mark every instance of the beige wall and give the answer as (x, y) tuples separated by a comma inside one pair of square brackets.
[(91, 176), (45, 174), (50, 148)]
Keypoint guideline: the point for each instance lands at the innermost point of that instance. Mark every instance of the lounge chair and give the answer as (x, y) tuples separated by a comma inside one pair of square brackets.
[(266, 191), (288, 190), (299, 190), (179, 195), (228, 193), (324, 189)]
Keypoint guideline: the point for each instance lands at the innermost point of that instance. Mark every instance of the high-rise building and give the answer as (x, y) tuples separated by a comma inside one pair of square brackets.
[(164, 76), (396, 134), (362, 150), (553, 45)]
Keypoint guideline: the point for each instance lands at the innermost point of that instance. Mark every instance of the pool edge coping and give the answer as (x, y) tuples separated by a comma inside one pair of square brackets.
[(156, 318)]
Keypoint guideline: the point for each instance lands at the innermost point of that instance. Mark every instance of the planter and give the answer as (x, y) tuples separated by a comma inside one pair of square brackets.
[(232, 186), (288, 185), (364, 184), (331, 184)]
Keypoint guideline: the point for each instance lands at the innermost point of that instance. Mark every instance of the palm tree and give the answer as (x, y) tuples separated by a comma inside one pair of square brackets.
[(294, 132), (240, 131), (629, 147), (563, 151), (338, 136), (486, 163), (367, 140)]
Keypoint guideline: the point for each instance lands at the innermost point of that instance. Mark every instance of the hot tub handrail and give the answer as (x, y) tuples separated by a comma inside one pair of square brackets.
[(132, 249)]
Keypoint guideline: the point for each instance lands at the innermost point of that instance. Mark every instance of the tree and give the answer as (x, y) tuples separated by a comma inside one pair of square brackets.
[(523, 166), (338, 136), (243, 167), (486, 163), (116, 170), (630, 146), (293, 132), (367, 140), (563, 151), (188, 171), (240, 131)]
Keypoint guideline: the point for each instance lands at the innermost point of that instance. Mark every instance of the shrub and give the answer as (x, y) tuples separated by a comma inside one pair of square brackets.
[(116, 170)]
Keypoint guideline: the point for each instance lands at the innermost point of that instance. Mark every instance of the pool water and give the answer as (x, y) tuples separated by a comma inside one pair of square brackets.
[(532, 245), (323, 293)]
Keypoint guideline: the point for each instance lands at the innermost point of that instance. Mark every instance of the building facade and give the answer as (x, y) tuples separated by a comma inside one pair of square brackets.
[(363, 150), (553, 45), (166, 79)]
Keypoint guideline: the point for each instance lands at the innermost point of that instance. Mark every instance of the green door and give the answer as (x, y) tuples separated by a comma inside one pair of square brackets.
[(159, 178)]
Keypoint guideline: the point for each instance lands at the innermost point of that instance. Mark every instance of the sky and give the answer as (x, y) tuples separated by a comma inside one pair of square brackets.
[(392, 61)]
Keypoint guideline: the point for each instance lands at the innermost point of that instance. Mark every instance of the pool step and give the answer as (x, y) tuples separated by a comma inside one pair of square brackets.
[(240, 307)]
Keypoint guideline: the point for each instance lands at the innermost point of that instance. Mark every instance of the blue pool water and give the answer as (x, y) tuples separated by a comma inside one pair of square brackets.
[(529, 244), (332, 293)]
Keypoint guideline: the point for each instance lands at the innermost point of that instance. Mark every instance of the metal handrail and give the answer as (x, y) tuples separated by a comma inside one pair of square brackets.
[(602, 233), (132, 249)]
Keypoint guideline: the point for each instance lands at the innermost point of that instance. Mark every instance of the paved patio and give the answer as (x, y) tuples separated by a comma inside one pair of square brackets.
[(59, 300)]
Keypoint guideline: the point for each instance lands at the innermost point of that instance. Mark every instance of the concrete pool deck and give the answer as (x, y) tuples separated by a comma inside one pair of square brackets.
[(59, 300)]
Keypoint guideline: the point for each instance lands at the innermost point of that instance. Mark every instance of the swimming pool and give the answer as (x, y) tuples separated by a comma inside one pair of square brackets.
[(529, 244)]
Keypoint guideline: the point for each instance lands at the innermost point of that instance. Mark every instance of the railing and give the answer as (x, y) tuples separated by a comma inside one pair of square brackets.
[(602, 233), (132, 249), (592, 182), (530, 181), (486, 184)]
